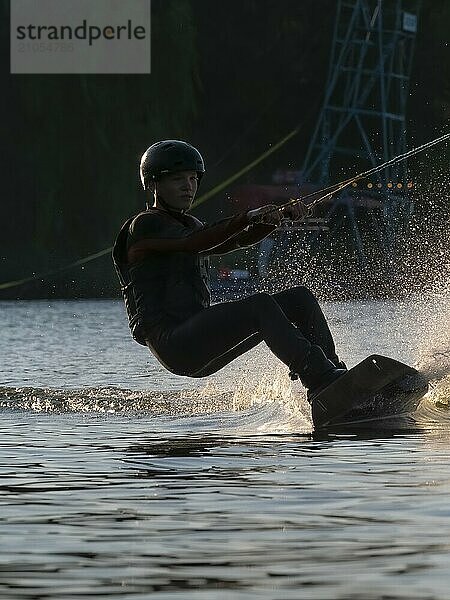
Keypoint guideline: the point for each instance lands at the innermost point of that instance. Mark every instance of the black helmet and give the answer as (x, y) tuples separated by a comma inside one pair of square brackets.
[(169, 156)]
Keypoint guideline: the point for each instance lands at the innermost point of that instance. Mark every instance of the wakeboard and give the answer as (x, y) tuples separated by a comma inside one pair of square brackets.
[(377, 389)]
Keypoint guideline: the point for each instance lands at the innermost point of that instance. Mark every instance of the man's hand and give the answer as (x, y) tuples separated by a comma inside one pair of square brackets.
[(295, 211), (269, 214)]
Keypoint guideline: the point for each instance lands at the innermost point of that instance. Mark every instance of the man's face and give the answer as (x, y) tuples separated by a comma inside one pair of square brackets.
[(178, 189)]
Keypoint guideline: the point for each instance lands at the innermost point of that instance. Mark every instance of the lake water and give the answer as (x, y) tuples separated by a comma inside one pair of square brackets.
[(120, 480)]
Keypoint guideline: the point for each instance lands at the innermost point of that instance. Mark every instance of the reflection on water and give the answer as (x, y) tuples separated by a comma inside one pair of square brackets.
[(272, 515), (118, 480)]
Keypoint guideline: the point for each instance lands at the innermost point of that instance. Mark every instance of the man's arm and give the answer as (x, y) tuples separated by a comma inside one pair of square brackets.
[(263, 221), (198, 241), (249, 236)]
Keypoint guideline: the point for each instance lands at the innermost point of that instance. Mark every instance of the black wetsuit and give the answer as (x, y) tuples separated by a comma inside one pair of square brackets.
[(168, 300)]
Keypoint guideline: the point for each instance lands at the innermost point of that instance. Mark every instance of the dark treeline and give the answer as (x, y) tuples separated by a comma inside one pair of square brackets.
[(232, 77)]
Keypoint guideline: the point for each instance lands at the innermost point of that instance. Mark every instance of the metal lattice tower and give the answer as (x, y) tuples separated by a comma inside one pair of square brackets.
[(362, 122)]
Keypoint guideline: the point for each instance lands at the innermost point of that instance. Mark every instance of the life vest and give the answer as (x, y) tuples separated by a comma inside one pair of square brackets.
[(164, 288)]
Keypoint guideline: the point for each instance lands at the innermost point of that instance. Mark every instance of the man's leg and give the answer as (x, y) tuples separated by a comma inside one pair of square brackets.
[(301, 307), (215, 336)]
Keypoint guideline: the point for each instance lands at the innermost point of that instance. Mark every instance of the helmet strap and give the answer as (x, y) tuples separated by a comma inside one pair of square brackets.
[(149, 198)]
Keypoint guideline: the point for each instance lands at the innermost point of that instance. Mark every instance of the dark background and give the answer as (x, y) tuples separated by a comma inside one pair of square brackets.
[(231, 77)]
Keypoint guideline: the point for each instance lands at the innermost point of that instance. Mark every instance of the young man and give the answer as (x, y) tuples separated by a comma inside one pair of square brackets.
[(161, 258)]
